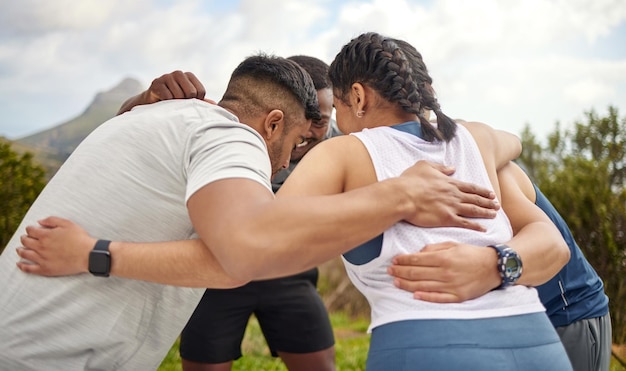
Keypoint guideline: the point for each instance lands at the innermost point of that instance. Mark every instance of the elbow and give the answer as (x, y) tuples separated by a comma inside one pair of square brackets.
[(222, 280), (233, 283), (240, 271), (564, 253), (561, 251), (240, 275), (241, 258), (518, 148)]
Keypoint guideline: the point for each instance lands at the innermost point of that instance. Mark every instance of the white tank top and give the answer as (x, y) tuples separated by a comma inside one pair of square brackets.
[(392, 151)]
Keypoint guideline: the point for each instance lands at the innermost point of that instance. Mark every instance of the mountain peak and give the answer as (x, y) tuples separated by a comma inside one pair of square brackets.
[(63, 138), (119, 93)]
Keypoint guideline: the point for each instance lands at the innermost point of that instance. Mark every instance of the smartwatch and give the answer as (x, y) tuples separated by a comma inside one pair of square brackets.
[(509, 265), (100, 259)]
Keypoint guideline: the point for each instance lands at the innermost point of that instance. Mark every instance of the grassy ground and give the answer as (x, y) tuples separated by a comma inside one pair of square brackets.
[(352, 343), (618, 351)]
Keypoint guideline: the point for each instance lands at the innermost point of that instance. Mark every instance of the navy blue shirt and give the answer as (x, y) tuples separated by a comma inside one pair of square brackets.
[(576, 292)]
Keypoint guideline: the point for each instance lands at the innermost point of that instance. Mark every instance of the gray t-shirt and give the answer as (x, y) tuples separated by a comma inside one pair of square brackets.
[(128, 181)]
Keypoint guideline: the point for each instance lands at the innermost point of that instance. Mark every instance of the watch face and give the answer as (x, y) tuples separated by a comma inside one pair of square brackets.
[(512, 267), (99, 262)]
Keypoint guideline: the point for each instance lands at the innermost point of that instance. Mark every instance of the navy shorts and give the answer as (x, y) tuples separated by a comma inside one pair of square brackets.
[(290, 311)]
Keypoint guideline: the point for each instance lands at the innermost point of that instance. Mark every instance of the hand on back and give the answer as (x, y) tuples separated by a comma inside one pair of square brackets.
[(175, 85), (442, 201)]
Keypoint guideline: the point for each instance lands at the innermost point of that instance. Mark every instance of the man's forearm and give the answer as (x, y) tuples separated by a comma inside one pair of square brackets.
[(181, 263), (543, 253)]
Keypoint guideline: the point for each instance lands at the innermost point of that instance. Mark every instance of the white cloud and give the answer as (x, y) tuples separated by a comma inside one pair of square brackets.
[(504, 63), (31, 17), (587, 91)]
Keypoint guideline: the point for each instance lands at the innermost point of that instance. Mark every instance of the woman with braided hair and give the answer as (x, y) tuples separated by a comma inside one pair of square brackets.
[(382, 95)]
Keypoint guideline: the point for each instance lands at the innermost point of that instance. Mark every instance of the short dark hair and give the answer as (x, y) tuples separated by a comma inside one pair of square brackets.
[(317, 68), (266, 81)]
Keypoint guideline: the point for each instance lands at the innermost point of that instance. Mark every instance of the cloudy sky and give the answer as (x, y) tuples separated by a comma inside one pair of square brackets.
[(504, 62)]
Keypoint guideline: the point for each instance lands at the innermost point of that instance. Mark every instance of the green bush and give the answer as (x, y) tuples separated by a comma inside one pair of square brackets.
[(21, 181)]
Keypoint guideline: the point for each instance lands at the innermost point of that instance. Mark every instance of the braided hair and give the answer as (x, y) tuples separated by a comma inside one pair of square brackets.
[(396, 71)]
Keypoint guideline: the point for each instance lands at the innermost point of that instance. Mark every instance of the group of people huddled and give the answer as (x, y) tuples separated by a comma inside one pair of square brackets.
[(183, 216)]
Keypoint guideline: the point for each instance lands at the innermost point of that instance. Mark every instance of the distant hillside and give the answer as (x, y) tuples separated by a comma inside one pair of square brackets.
[(50, 161), (51, 147)]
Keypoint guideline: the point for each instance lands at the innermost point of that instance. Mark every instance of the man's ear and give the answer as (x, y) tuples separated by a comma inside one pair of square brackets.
[(274, 124)]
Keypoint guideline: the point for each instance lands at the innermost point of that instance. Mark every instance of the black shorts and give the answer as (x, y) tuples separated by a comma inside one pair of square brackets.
[(290, 311)]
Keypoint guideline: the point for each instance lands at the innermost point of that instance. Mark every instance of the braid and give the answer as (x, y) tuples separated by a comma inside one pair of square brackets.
[(446, 127), (395, 70)]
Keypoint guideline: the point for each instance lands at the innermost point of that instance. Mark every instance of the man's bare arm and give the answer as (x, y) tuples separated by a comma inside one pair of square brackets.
[(61, 247), (261, 237), (537, 240)]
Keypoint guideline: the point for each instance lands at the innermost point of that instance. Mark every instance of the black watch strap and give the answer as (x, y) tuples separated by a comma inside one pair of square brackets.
[(102, 245), (100, 259)]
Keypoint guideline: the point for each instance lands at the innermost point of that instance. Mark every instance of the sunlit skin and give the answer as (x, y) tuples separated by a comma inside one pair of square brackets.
[(280, 149), (318, 129), (343, 116)]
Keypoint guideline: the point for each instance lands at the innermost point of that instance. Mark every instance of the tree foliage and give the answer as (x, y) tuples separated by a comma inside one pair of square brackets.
[(582, 171), (21, 180)]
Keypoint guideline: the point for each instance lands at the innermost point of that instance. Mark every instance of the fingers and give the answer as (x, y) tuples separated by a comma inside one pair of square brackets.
[(409, 260), (27, 254), (407, 275), (29, 263), (410, 285), (447, 170), (422, 259), (462, 222), (413, 268), (441, 246), (437, 297), (469, 210), (473, 190), (33, 232), (29, 242), (53, 222), (160, 90), (28, 267), (177, 85), (432, 291), (432, 255), (191, 83), (170, 90)]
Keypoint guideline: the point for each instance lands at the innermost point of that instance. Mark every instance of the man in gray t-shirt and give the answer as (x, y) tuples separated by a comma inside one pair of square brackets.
[(131, 180), (178, 170)]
